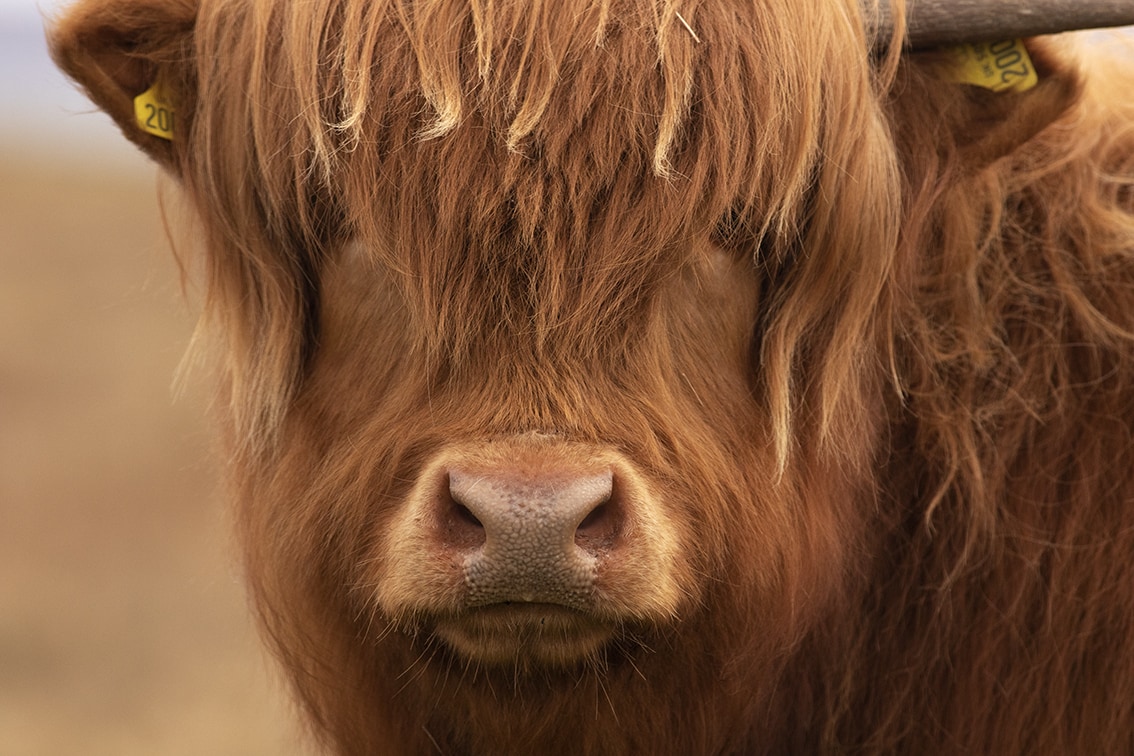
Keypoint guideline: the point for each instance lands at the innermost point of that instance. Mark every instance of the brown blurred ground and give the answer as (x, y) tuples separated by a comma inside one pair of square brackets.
[(123, 628)]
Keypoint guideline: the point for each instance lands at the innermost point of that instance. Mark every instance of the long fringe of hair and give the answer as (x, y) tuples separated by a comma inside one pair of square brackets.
[(561, 128)]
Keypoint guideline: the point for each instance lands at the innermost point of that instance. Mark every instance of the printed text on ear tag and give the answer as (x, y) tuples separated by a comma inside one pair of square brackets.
[(154, 112), (999, 66)]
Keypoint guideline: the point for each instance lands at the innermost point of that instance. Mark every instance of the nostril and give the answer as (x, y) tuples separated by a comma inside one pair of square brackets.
[(600, 528), (465, 515), (461, 529), (595, 518)]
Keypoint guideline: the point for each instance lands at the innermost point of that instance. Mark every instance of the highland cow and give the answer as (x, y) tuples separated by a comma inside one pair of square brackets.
[(642, 377)]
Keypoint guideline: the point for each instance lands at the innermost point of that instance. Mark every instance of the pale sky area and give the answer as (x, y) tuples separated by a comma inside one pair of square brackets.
[(39, 108)]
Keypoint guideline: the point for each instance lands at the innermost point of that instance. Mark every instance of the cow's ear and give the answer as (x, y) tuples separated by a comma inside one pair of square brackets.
[(134, 58), (938, 101)]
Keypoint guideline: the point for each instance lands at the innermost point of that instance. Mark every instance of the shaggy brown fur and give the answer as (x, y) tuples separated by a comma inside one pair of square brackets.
[(866, 335)]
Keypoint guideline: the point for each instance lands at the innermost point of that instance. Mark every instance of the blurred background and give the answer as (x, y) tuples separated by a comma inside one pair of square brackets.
[(123, 627)]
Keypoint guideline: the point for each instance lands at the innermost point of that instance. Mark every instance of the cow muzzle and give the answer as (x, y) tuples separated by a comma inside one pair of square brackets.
[(529, 538), (531, 549)]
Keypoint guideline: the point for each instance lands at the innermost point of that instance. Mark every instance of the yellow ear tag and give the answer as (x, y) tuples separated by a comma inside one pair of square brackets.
[(999, 66), (154, 112)]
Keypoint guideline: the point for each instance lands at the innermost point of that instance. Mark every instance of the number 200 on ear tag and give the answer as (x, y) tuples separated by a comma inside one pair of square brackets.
[(154, 112), (999, 66)]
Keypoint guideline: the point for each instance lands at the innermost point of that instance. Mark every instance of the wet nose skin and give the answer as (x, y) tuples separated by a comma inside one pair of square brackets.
[(529, 548), (527, 538)]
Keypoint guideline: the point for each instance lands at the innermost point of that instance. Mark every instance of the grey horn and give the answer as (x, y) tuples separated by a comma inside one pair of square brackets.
[(941, 22)]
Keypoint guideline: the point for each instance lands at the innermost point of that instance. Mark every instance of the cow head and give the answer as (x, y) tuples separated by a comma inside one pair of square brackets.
[(551, 336)]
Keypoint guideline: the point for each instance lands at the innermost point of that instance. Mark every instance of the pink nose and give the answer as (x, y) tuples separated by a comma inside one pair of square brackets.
[(528, 537)]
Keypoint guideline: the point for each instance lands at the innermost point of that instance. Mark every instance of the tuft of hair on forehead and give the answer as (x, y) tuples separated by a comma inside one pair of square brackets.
[(585, 142)]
